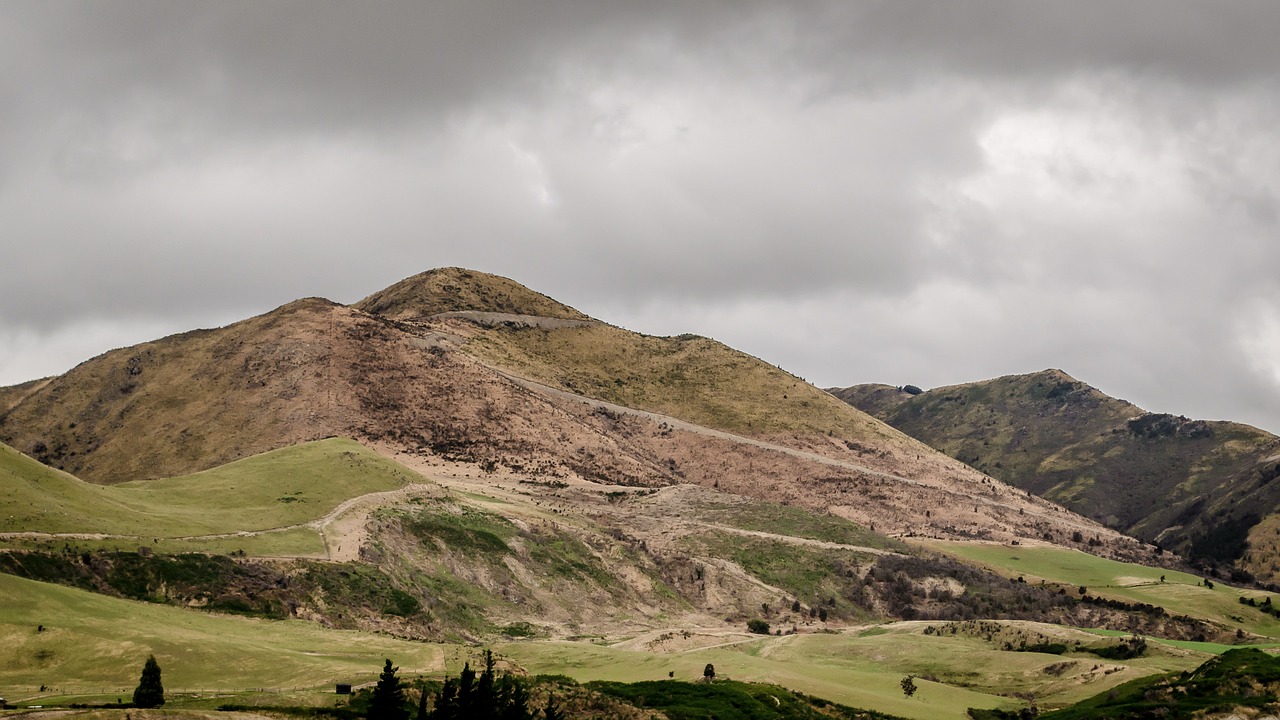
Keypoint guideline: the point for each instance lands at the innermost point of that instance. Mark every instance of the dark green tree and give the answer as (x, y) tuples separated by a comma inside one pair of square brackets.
[(150, 692), (447, 704), (489, 695), (388, 698), (513, 699), (422, 703), (466, 692), (908, 685), (486, 696)]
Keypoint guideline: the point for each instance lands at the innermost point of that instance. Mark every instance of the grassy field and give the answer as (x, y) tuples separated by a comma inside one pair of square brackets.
[(94, 645), (864, 669), (281, 488), (1179, 593), (92, 642), (868, 685), (295, 542)]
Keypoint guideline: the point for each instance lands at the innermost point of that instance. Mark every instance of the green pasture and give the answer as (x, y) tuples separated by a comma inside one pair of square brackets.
[(93, 646), (867, 685), (91, 643), (864, 669), (285, 487), (1179, 593), (290, 542)]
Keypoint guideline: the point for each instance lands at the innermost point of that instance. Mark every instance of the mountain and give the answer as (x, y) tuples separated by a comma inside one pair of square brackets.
[(458, 366), (1202, 488)]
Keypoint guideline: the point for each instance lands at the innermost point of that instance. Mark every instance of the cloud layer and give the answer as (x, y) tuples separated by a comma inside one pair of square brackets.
[(901, 191)]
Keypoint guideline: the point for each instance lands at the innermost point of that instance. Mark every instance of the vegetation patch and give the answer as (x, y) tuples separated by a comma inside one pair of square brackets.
[(729, 700), (462, 529), (1242, 678), (797, 522)]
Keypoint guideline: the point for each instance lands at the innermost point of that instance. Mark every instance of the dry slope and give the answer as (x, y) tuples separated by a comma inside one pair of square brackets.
[(463, 367)]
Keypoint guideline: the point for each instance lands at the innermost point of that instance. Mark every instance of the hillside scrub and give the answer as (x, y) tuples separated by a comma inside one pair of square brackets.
[(1198, 487)]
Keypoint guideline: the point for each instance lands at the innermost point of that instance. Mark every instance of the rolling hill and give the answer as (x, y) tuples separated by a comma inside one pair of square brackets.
[(1203, 489), (457, 366)]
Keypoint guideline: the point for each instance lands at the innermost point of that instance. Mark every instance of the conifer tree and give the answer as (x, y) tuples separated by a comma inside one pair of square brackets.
[(447, 703), (422, 703), (513, 699), (150, 691), (387, 702), (486, 697), (466, 692)]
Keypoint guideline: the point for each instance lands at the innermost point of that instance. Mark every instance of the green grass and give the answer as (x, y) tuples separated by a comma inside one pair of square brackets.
[(864, 684), (294, 542), (813, 575), (1180, 593), (725, 700), (796, 522), (93, 642), (689, 377), (1242, 678), (290, 486)]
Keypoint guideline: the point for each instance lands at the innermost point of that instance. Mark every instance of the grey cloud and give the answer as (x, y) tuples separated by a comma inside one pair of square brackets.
[(813, 181)]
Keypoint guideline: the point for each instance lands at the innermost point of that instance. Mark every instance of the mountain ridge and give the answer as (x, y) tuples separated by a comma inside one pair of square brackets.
[(1198, 487)]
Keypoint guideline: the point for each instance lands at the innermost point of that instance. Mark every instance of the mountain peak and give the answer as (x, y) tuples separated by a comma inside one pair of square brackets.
[(455, 289)]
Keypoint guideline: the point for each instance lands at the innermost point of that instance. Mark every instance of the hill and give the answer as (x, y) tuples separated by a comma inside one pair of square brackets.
[(459, 366), (1198, 487), (1240, 683)]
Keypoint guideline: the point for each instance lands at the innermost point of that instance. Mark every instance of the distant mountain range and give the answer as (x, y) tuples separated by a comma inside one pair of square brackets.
[(1202, 488)]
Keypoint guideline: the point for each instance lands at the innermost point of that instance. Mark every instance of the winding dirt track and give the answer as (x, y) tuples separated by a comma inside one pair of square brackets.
[(678, 424), (1035, 508)]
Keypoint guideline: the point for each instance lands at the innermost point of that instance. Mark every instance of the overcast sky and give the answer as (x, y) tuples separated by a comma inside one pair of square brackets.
[(898, 191)]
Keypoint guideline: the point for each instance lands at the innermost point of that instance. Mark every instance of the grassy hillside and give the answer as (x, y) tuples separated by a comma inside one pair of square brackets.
[(281, 488), (1195, 486), (1178, 593), (90, 641), (1240, 683), (689, 377)]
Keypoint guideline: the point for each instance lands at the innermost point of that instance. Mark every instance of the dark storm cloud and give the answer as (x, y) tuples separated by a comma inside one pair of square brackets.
[(901, 191)]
